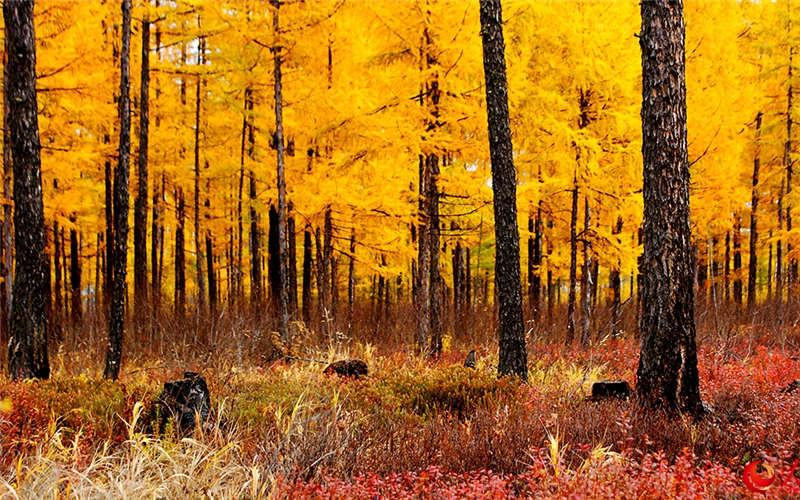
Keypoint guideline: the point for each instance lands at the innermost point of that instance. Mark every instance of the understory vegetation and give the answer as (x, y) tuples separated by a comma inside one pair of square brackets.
[(414, 427)]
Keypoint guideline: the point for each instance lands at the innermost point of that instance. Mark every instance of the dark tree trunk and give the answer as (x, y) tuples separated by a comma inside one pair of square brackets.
[(586, 276), (779, 249), (752, 268), (536, 282), (667, 373), (198, 247), (75, 277), (283, 242), (307, 264), (180, 255), (573, 264), (290, 233), (273, 261), (58, 310), (155, 282), (513, 353), (140, 204), (791, 272), (109, 249), (468, 282), (119, 286), (726, 277), (237, 271), (737, 260), (328, 274), (436, 288), (256, 298), (351, 280), (212, 277), (616, 285), (7, 263)]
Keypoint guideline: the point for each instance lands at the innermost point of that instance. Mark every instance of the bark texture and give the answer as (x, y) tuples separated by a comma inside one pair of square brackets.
[(513, 352), (27, 346), (119, 286), (667, 373)]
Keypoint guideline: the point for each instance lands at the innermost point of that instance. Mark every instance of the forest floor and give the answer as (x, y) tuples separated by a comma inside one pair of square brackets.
[(412, 428)]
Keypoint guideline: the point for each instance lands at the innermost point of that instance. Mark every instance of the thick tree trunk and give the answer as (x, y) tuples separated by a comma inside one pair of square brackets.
[(434, 231), (7, 262), (119, 286), (752, 268), (140, 204), (667, 373), (423, 284), (513, 353), (283, 242)]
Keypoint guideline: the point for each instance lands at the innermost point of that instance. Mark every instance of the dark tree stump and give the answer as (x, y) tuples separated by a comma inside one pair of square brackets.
[(791, 387), (471, 360), (610, 389), (184, 401), (351, 368)]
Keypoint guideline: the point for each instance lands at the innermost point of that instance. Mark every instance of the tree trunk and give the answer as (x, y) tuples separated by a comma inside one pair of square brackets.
[(752, 269), (307, 263), (155, 282), (436, 289), (212, 277), (779, 248), (273, 262), (351, 280), (119, 286), (726, 278), (140, 204), (791, 273), (75, 277), (290, 232), (586, 276), (737, 261), (198, 247), (616, 285), (667, 373), (7, 263), (513, 357), (180, 255), (58, 311), (283, 243), (573, 263)]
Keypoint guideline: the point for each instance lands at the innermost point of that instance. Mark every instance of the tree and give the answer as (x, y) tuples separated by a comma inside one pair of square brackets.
[(513, 353), (119, 286), (283, 245), (140, 204), (27, 347), (667, 373)]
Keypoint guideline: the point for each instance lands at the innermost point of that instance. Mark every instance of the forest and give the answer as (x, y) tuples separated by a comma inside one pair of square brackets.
[(400, 249)]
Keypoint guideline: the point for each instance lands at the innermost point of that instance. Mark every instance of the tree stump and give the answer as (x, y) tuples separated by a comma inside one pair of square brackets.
[(610, 389), (350, 368), (471, 360)]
